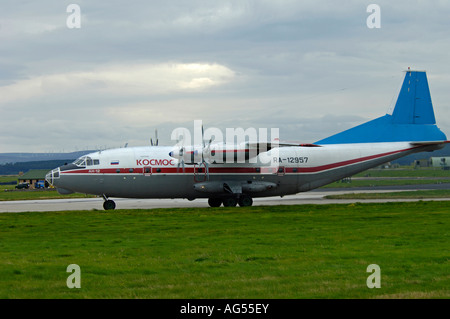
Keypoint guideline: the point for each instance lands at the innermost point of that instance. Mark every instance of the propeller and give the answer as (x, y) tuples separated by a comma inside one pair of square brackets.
[(181, 160), (156, 137), (206, 150), (181, 152)]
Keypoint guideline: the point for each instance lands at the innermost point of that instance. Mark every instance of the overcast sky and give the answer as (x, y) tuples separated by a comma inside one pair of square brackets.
[(309, 68)]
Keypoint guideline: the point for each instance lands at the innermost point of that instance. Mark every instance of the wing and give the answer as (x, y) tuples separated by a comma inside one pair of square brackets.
[(222, 153)]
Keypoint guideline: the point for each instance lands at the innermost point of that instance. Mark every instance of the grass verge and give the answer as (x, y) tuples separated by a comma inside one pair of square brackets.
[(304, 251), (440, 193), (37, 194)]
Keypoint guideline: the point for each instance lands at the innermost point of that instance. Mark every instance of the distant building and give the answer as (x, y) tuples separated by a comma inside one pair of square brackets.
[(33, 176), (443, 162), (388, 165), (422, 163)]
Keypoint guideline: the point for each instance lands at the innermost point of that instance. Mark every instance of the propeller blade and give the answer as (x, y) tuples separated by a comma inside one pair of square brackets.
[(182, 165), (203, 136)]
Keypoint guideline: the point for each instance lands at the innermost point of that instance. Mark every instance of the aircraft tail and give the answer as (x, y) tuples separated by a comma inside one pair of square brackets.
[(411, 120)]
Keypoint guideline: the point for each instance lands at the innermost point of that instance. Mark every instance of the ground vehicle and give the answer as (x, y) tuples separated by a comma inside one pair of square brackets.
[(40, 184), (23, 185)]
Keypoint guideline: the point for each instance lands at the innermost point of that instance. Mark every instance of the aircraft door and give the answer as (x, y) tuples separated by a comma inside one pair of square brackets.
[(200, 173)]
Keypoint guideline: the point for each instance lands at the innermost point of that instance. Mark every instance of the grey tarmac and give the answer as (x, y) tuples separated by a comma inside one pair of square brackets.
[(314, 197)]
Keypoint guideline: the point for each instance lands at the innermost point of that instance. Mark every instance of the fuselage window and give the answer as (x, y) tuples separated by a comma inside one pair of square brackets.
[(96, 162)]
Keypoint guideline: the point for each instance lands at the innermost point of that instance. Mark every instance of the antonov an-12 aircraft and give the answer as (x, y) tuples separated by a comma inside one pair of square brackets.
[(264, 169)]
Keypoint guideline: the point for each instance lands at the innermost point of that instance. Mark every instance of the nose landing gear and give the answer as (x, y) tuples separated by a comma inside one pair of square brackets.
[(108, 204)]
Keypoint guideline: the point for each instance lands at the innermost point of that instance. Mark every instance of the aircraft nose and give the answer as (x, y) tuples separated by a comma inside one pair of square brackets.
[(51, 176), (48, 178)]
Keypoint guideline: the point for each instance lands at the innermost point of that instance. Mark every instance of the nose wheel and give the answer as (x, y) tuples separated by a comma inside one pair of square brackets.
[(108, 204)]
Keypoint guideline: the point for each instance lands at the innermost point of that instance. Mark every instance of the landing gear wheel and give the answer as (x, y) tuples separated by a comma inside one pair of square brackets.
[(214, 202), (245, 201), (109, 205), (230, 202)]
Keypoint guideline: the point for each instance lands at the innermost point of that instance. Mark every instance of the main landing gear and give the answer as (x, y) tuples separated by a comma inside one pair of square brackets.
[(108, 204), (243, 201)]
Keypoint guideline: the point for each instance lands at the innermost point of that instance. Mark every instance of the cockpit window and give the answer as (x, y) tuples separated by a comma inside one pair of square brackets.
[(80, 162), (86, 161)]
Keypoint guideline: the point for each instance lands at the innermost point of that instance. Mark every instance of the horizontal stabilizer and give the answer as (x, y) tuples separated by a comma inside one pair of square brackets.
[(429, 143), (430, 146)]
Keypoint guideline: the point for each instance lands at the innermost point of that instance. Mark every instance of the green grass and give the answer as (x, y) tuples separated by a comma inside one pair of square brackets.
[(305, 251), (441, 193), (375, 183), (9, 193), (407, 176), (7, 179), (37, 194), (405, 172)]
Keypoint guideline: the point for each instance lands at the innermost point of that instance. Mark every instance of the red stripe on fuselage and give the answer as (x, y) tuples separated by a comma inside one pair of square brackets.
[(229, 170), (349, 162)]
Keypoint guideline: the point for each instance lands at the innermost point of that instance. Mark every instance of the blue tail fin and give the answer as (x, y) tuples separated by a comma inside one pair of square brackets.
[(414, 101), (412, 119)]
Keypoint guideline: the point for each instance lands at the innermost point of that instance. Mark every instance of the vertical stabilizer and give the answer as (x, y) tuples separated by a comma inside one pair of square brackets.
[(413, 104), (412, 118)]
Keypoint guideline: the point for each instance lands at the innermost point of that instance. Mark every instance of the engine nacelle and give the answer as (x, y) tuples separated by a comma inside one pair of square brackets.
[(210, 187), (256, 187)]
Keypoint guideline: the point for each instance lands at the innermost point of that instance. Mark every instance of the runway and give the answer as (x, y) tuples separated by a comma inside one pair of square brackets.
[(312, 197)]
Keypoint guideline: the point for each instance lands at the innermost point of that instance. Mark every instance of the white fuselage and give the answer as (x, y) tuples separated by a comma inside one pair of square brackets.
[(149, 172)]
